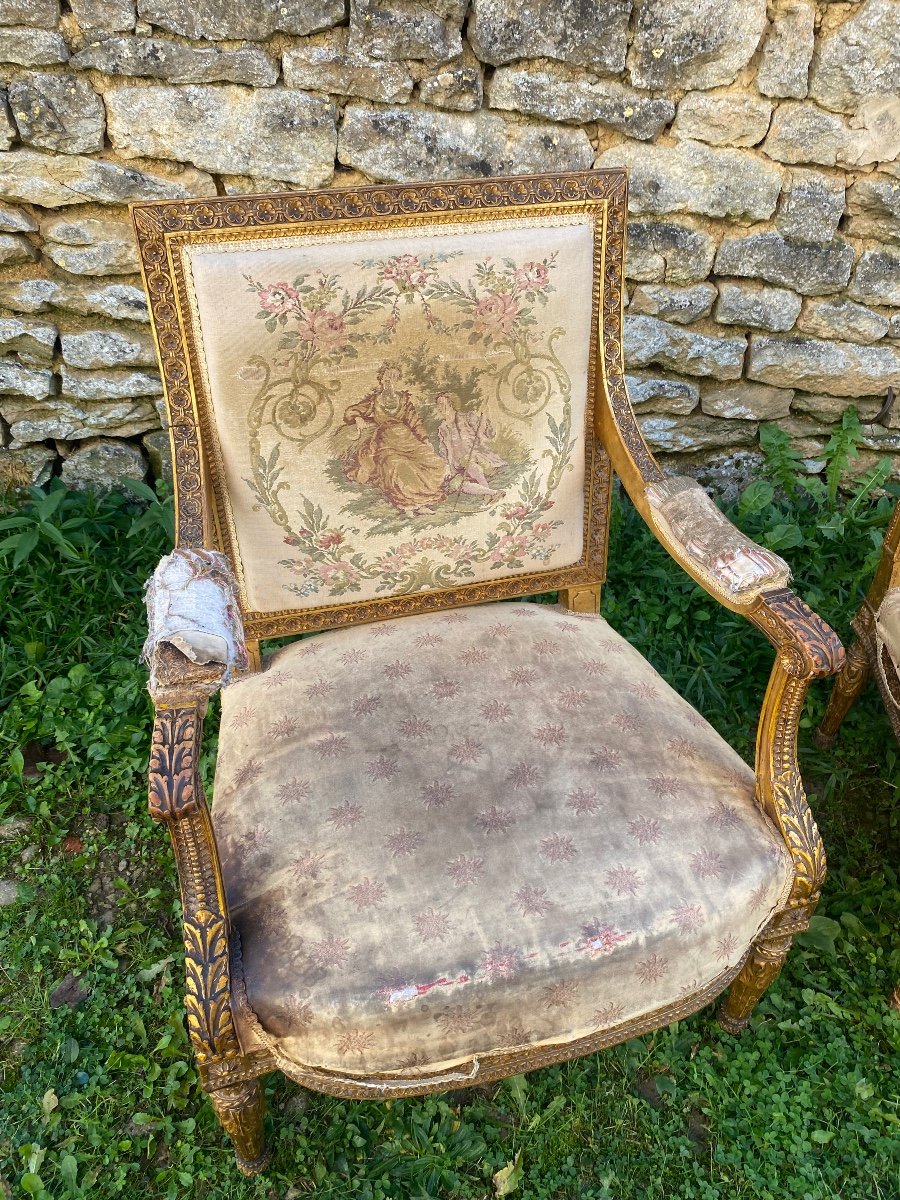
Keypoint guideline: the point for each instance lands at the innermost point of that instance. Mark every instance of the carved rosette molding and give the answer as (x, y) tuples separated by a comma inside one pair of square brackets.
[(161, 226)]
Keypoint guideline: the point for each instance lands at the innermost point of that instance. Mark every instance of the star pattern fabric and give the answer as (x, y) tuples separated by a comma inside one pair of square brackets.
[(452, 834)]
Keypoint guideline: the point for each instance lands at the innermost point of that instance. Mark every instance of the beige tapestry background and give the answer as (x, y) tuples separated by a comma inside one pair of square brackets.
[(398, 413)]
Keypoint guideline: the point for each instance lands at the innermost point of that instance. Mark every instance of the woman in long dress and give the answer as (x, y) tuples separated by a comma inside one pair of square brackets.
[(392, 451)]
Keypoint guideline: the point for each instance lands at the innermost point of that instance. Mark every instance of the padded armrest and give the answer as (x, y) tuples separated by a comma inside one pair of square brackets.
[(692, 527), (887, 643), (192, 608)]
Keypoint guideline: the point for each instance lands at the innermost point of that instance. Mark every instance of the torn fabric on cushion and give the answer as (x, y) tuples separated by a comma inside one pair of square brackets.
[(192, 605), (734, 564)]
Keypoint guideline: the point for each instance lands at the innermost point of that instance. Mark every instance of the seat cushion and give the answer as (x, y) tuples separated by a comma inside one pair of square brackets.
[(445, 835)]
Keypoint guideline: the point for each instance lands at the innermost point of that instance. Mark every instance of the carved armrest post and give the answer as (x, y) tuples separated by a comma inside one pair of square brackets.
[(807, 649), (177, 800)]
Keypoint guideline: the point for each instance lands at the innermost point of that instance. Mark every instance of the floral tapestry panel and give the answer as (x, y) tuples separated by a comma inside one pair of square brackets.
[(498, 827), (398, 412)]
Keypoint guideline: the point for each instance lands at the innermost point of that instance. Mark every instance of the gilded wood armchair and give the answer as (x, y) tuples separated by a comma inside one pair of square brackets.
[(450, 841), (876, 648)]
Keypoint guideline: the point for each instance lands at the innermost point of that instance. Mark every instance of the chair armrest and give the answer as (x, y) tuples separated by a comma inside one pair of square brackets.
[(708, 546), (195, 637)]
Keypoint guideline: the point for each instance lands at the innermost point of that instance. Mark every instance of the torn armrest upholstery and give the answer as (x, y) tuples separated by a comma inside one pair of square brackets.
[(195, 639), (695, 530)]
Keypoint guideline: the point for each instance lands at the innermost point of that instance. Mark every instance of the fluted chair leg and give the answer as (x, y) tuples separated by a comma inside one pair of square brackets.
[(849, 682), (240, 1108), (761, 969)]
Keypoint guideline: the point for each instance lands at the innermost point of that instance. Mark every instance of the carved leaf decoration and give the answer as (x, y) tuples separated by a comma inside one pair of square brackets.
[(208, 984), (173, 757)]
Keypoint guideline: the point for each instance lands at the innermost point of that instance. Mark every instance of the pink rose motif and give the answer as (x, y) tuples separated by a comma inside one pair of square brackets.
[(496, 313), (531, 275), (324, 329), (278, 298), (405, 270), (326, 540)]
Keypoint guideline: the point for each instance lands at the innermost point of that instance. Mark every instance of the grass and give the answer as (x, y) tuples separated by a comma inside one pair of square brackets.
[(99, 1094)]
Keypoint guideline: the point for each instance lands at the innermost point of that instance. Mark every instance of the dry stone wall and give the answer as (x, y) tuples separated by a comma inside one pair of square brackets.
[(762, 140)]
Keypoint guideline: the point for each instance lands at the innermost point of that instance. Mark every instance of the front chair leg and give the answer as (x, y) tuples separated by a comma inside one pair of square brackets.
[(240, 1108), (762, 968), (850, 681)]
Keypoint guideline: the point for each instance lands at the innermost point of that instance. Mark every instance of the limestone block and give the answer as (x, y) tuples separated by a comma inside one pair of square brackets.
[(693, 177), (408, 144), (771, 308), (104, 16), (19, 380), (787, 51), (873, 205), (875, 132), (226, 19), (648, 340), (589, 35), (108, 385), (802, 133), (32, 47), (685, 434), (16, 248), (91, 245), (745, 401), (838, 368), (25, 468), (876, 279), (39, 14), (327, 63), (57, 112), (662, 393), (70, 420), (843, 320), (667, 251), (16, 220), (723, 118), (562, 93), (679, 304), (694, 43), (283, 133), (428, 30), (92, 348), (830, 409), (811, 206), (810, 270), (55, 180), (118, 301), (457, 85), (164, 58), (101, 464), (860, 58), (31, 340)]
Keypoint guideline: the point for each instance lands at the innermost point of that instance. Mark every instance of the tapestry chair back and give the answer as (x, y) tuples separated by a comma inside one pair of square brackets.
[(382, 401)]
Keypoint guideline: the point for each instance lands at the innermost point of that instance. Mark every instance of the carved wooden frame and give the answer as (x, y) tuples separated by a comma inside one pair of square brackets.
[(163, 229), (806, 648)]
